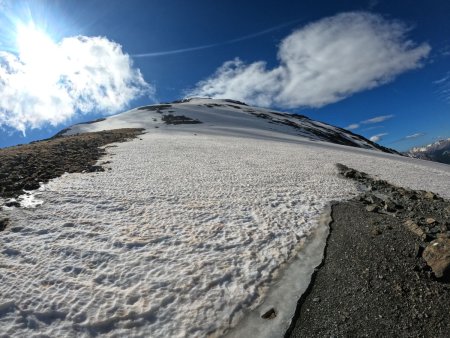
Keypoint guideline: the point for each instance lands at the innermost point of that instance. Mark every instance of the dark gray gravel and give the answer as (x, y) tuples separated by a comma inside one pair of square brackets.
[(374, 280)]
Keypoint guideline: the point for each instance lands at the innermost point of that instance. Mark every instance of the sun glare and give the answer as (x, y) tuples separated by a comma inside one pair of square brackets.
[(39, 56), (34, 45)]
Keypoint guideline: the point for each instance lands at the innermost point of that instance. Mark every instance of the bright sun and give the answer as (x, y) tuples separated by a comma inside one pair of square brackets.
[(40, 58), (34, 46)]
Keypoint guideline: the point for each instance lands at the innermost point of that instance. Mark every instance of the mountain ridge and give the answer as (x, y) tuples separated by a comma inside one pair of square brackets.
[(438, 151), (193, 111)]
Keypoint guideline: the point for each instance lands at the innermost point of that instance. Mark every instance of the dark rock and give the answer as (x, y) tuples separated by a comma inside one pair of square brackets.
[(12, 204), (156, 107), (178, 119), (389, 206), (30, 185), (271, 314), (4, 222)]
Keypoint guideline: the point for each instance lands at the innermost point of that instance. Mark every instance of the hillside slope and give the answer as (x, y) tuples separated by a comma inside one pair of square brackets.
[(224, 116)]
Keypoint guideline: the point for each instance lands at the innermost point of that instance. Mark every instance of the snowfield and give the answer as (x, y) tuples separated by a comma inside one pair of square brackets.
[(187, 234)]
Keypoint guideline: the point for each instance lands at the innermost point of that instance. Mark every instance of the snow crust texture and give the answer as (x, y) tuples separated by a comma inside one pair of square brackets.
[(183, 235)]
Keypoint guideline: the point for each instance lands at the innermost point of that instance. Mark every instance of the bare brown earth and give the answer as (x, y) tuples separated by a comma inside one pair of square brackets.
[(376, 279), (23, 167)]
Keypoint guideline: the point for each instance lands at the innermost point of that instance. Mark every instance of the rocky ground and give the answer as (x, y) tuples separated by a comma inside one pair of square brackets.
[(386, 269), (24, 167)]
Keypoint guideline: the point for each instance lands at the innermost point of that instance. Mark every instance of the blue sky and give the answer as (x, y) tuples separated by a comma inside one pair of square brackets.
[(379, 67)]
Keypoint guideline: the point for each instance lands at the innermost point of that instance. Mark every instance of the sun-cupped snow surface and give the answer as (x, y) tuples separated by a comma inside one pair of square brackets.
[(184, 235)]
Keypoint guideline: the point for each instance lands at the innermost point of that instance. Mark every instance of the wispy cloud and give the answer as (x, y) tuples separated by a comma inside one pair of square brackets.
[(213, 45), (409, 137), (322, 63), (445, 51), (443, 87), (442, 79), (378, 137), (376, 119), (352, 126), (55, 81), (416, 135)]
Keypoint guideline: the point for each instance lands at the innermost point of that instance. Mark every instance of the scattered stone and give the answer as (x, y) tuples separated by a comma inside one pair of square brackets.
[(437, 256), (271, 314), (389, 206), (430, 195), (373, 199), (316, 300), (415, 229), (372, 208), (430, 220)]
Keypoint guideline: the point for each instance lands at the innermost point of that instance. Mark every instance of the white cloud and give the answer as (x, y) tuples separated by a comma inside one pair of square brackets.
[(322, 63), (378, 137), (47, 82), (352, 126)]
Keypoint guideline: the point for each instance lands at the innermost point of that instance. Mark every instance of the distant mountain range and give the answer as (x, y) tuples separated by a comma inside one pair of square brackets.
[(438, 151)]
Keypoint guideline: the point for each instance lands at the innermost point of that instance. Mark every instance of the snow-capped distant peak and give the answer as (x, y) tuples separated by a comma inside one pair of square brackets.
[(438, 151)]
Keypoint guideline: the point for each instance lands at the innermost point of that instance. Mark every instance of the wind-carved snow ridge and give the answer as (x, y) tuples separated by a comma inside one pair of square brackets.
[(184, 236)]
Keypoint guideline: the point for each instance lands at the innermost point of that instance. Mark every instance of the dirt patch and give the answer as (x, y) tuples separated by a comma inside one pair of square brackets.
[(24, 167), (374, 280)]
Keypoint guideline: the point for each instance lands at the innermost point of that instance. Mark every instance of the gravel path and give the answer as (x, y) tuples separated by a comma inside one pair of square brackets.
[(374, 280)]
